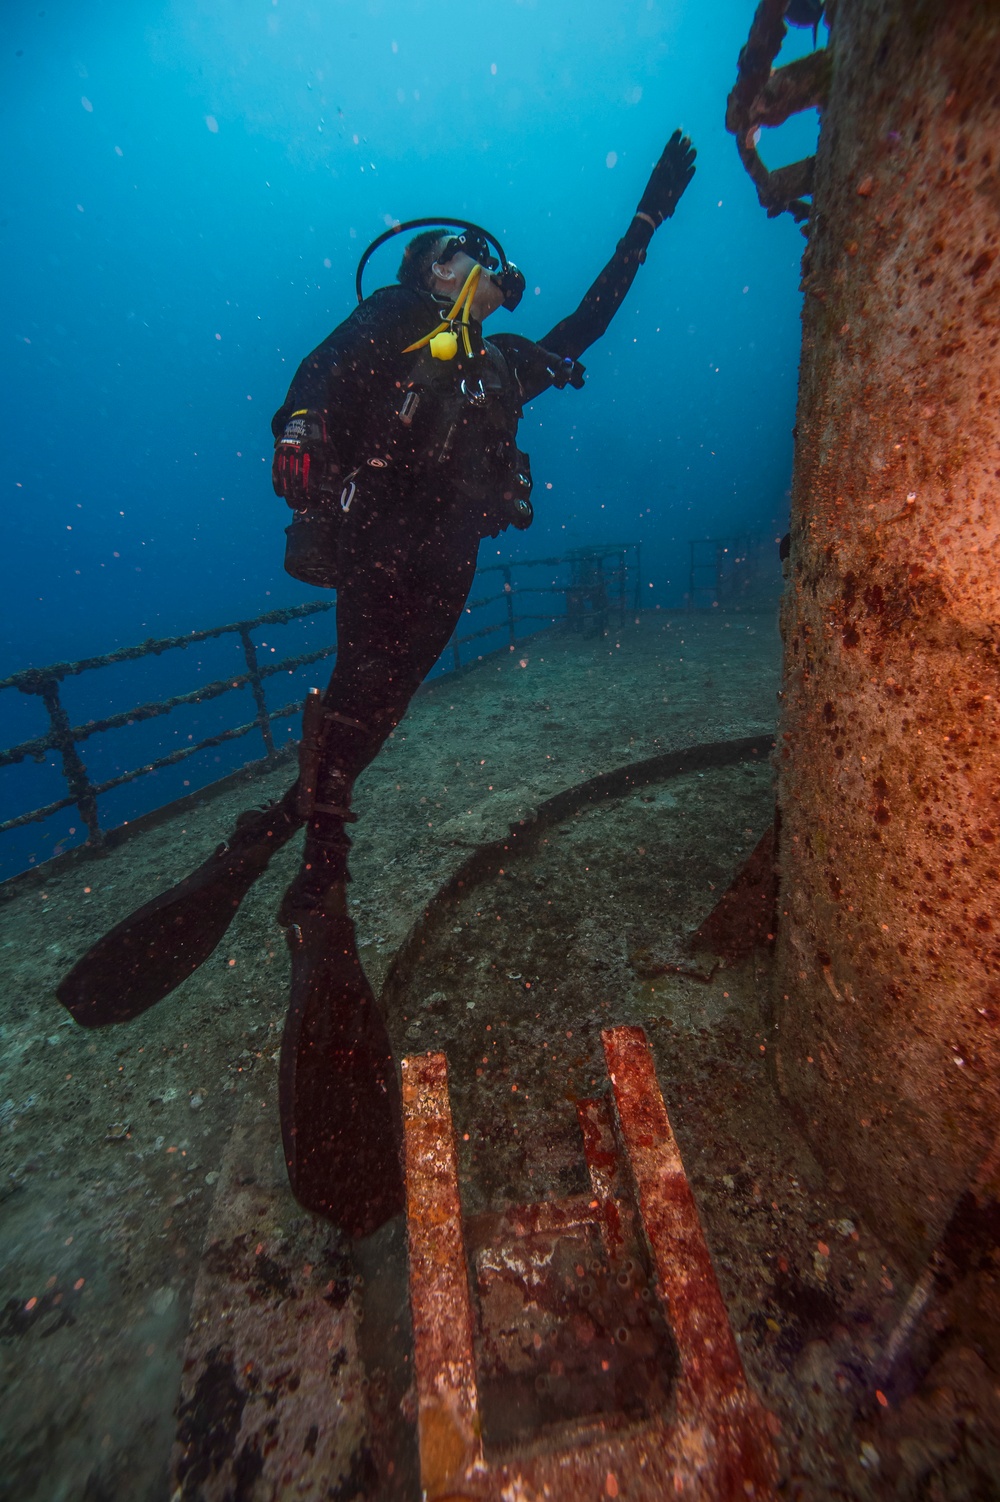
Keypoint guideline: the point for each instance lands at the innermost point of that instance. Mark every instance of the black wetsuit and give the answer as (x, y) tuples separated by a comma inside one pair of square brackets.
[(408, 543)]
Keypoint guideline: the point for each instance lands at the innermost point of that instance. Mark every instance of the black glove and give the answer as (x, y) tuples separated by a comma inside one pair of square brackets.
[(668, 180), (304, 470), (564, 370)]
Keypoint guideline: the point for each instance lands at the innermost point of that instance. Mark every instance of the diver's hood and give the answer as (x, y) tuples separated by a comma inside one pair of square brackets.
[(474, 240)]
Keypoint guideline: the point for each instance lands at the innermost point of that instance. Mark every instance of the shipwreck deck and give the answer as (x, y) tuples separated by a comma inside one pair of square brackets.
[(146, 1212)]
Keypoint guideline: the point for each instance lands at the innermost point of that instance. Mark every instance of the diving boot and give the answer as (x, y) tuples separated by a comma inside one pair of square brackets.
[(149, 953), (341, 1116), (323, 871), (324, 802)]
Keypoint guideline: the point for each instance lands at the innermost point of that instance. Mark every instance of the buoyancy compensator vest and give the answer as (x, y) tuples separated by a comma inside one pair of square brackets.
[(460, 418), (440, 413)]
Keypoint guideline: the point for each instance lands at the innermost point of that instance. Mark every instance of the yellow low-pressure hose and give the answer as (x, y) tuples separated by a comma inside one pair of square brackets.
[(445, 348), (472, 282)]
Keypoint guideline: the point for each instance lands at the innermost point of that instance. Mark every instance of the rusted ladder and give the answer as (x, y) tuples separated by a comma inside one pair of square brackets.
[(592, 1357)]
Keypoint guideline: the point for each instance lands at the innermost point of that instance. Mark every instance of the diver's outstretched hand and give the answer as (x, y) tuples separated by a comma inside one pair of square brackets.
[(668, 179)]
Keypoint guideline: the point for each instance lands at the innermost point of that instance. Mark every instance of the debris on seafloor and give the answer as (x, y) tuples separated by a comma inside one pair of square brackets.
[(745, 914), (647, 966)]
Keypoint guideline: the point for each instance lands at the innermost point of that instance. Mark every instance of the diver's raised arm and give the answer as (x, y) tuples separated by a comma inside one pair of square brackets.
[(601, 301)]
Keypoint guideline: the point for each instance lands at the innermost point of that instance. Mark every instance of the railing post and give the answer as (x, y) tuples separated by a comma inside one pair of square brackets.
[(599, 600), (508, 590), (257, 689), (574, 595), (80, 786)]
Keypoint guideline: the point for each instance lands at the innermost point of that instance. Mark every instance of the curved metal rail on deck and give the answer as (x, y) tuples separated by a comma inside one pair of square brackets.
[(523, 836)]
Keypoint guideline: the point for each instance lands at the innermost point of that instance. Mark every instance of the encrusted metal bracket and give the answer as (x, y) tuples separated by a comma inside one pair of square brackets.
[(765, 95)]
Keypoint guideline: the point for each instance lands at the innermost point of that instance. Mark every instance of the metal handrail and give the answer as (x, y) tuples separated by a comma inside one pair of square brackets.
[(154, 645), (710, 558), (64, 737)]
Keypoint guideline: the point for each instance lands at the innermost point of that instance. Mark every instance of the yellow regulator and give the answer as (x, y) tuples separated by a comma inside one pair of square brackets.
[(444, 346), (443, 341)]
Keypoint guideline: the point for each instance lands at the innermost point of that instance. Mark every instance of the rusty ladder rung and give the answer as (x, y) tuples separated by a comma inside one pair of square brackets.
[(715, 1443)]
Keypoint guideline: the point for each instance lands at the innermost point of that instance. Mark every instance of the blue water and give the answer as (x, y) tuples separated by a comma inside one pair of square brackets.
[(188, 188)]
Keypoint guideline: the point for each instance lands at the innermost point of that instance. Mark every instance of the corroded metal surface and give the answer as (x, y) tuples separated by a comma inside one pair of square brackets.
[(590, 1397), (272, 1401), (766, 95), (724, 1425), (569, 1333), (889, 963), (447, 1398)]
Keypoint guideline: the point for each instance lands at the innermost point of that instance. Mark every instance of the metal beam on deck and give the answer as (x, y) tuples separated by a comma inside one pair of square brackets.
[(704, 1436)]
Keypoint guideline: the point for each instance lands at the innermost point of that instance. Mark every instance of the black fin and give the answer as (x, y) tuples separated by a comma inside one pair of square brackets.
[(149, 953), (341, 1116)]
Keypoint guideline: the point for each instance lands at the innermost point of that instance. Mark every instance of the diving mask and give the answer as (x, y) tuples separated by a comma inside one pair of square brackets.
[(475, 241)]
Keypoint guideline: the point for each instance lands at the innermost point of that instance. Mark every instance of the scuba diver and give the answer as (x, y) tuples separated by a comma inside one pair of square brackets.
[(396, 451)]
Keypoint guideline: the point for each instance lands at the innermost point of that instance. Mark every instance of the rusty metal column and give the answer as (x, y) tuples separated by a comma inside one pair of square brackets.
[(447, 1398), (888, 981)]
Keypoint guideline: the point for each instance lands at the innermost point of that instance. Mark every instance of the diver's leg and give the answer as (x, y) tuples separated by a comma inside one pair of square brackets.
[(341, 1115), (406, 568)]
